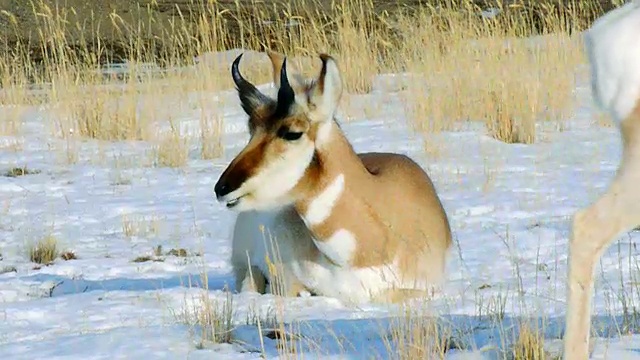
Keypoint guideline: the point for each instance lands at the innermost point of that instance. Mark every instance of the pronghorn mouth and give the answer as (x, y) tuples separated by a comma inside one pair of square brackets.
[(233, 202)]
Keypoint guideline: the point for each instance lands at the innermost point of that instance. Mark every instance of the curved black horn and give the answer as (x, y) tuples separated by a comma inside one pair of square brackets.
[(250, 96), (286, 95)]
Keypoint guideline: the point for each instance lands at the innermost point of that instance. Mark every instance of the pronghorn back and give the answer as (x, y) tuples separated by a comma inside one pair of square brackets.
[(359, 227)]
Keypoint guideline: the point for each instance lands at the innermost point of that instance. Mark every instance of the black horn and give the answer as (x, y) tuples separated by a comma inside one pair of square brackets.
[(250, 97), (286, 95)]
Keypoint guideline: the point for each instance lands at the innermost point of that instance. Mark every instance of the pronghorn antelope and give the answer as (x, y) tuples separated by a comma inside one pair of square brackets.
[(613, 48), (363, 227)]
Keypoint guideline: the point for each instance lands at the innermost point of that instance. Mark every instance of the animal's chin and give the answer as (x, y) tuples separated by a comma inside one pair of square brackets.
[(233, 203), (249, 203), (237, 204)]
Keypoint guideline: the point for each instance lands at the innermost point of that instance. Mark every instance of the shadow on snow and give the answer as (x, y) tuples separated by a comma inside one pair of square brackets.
[(471, 337), (62, 285)]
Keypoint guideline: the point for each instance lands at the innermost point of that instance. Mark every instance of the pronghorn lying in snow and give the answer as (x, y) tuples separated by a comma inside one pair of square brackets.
[(613, 48), (358, 227)]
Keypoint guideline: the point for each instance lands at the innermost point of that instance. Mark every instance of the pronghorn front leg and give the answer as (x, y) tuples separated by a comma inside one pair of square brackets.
[(249, 278)]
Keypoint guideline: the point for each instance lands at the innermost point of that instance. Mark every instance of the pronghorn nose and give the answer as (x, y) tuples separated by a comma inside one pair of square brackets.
[(221, 189)]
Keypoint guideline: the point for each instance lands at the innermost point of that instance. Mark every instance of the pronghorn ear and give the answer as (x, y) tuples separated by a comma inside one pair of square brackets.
[(296, 80), (326, 92)]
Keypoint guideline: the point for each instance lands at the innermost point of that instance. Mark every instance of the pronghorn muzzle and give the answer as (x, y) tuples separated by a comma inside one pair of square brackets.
[(241, 169)]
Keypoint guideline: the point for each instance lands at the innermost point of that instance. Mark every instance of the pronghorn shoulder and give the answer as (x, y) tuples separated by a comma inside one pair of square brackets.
[(384, 164)]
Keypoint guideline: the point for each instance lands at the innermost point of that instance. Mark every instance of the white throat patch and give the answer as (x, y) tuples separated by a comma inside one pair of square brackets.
[(320, 208)]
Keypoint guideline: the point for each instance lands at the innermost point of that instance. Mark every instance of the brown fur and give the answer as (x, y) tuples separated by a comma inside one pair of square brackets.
[(398, 210), (246, 163)]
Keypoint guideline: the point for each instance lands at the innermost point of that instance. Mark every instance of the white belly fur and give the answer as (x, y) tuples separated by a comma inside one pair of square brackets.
[(299, 258), (350, 285)]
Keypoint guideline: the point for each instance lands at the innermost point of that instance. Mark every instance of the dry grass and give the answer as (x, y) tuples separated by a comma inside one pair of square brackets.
[(45, 251), (416, 335), (529, 345), (172, 149), (140, 225), (20, 171), (211, 131), (210, 317), (462, 67), (470, 69)]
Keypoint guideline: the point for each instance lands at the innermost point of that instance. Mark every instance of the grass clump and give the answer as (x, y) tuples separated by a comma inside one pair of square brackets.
[(134, 225), (103, 114), (172, 149), (147, 258), (44, 251), (180, 252), (211, 131), (529, 345), (211, 317), (416, 335), (20, 171)]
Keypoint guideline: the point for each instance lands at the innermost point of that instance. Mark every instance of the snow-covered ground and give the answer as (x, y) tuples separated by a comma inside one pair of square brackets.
[(509, 206)]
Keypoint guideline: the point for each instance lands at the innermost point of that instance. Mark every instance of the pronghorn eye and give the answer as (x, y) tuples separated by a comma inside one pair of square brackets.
[(285, 134)]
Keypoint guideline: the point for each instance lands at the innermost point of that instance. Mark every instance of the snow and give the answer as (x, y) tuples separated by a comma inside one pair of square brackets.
[(509, 205)]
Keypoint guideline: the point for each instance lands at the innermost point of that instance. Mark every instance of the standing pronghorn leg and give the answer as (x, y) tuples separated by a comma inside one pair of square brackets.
[(613, 48), (594, 228)]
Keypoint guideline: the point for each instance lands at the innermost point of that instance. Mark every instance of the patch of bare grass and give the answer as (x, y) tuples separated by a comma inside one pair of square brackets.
[(210, 318), (416, 334), (103, 114), (20, 171), (140, 225), (467, 69), (45, 251), (172, 149), (529, 345), (211, 132), (147, 258)]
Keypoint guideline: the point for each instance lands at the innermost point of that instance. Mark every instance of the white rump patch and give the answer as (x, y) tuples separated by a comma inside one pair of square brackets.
[(613, 47), (320, 208), (339, 247)]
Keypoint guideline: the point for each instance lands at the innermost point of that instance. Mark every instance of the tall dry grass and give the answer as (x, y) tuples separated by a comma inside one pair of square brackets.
[(463, 66), (466, 68)]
